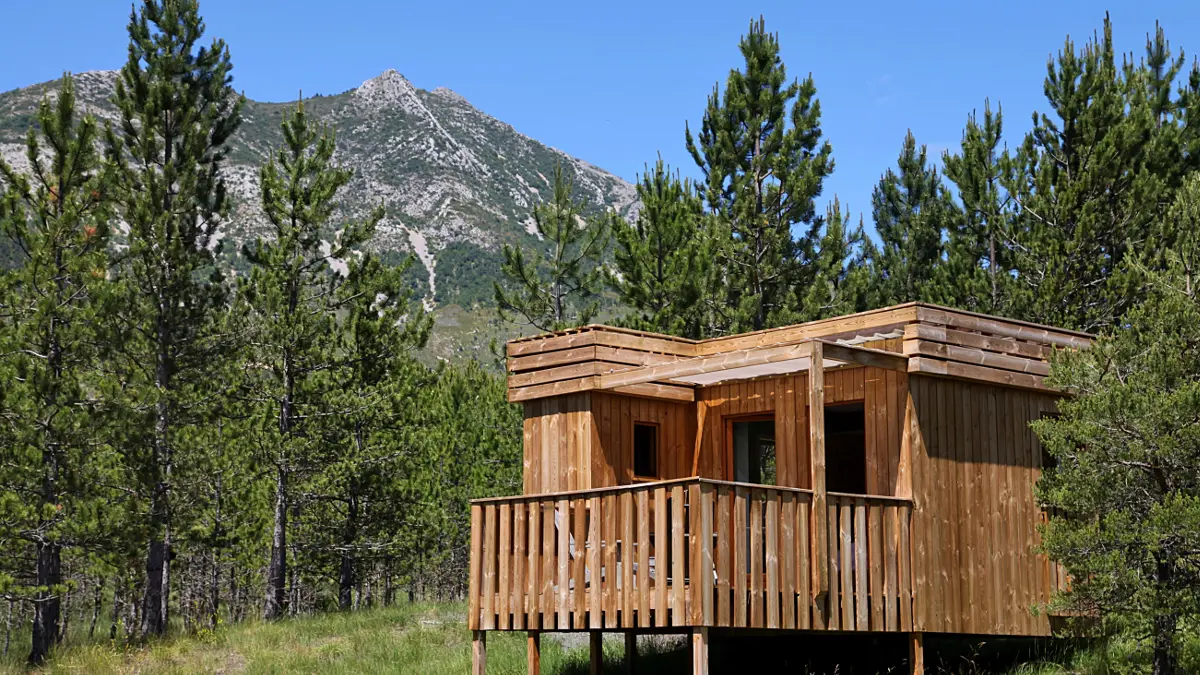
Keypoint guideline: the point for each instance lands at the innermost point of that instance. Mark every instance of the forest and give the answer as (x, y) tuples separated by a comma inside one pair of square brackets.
[(186, 446)]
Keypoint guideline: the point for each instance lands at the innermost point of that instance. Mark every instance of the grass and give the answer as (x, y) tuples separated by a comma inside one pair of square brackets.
[(421, 638), (431, 639)]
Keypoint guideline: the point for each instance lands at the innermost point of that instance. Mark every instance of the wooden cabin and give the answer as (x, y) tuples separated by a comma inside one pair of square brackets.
[(674, 485)]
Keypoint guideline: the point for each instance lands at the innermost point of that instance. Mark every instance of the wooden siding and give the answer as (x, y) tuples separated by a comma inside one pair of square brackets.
[(585, 441), (975, 464), (559, 437), (615, 415), (882, 392)]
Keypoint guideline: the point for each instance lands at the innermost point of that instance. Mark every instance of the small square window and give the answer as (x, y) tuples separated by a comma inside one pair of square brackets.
[(645, 450)]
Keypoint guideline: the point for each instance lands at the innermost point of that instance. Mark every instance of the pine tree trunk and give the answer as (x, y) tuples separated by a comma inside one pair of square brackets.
[(116, 611), (97, 603), (155, 596), (1165, 624), (346, 576), (277, 572), (46, 605), (214, 591), (8, 626)]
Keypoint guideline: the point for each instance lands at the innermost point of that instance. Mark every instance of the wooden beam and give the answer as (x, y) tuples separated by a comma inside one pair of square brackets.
[(601, 335), (595, 653), (966, 371), (684, 394), (865, 356), (660, 391), (977, 357), (630, 652), (991, 343), (916, 653), (1003, 328), (478, 652), (708, 364), (552, 389), (877, 320), (700, 651), (533, 652), (816, 444), (550, 359)]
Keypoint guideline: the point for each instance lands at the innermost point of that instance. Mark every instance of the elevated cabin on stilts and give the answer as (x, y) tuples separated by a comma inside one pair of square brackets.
[(673, 485)]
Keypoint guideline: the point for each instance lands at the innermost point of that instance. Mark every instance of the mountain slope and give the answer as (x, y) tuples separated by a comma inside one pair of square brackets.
[(455, 183)]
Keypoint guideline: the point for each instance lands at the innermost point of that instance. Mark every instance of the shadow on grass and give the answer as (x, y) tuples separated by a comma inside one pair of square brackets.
[(835, 654)]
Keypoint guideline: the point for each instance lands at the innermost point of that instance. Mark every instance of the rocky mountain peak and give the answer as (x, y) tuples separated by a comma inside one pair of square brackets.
[(388, 86)]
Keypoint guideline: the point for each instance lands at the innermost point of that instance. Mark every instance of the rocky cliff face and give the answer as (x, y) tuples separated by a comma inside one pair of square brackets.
[(455, 183)]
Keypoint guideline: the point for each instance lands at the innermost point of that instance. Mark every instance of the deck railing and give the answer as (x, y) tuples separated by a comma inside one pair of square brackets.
[(689, 552)]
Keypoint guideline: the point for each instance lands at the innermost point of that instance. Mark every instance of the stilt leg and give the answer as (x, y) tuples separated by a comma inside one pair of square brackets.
[(700, 651), (916, 653), (596, 652), (478, 652), (630, 652), (533, 652)]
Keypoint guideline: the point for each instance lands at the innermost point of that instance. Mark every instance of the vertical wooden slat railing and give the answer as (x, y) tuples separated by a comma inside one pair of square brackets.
[(690, 552)]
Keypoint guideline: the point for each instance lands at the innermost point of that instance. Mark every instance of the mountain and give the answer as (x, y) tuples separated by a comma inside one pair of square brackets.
[(455, 183)]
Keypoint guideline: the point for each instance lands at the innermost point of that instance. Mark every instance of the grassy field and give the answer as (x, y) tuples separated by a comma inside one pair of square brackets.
[(431, 639)]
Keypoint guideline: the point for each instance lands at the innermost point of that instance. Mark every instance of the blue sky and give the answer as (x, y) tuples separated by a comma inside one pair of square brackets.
[(614, 82)]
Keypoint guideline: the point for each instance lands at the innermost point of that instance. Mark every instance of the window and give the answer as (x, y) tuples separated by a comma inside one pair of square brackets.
[(753, 442), (846, 448), (645, 450)]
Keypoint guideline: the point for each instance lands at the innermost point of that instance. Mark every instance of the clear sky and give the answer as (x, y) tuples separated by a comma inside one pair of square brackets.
[(614, 82)]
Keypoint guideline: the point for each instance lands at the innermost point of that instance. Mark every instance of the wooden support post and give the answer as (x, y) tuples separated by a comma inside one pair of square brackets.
[(533, 652), (816, 445), (596, 652), (630, 652), (478, 652), (700, 651), (916, 653)]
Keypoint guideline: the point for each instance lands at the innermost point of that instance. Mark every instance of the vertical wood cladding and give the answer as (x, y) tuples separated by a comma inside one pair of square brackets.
[(584, 441), (975, 464), (882, 393)]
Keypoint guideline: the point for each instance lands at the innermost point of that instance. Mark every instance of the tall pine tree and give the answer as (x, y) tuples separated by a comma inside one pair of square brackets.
[(764, 164), (912, 210), (177, 111), (978, 270), (52, 313), (841, 280), (1091, 179), (658, 260), (561, 288), (291, 301)]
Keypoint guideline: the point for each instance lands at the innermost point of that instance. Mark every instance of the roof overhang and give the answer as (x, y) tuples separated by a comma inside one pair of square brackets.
[(755, 362)]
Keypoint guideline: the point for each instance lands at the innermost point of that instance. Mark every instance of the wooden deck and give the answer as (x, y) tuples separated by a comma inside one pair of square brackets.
[(691, 553)]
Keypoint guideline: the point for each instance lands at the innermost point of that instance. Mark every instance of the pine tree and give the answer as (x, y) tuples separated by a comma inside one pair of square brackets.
[(764, 163), (657, 260), (912, 211), (561, 289), (177, 111), (1125, 479), (292, 299), (52, 309), (841, 270), (1090, 180), (978, 273), (374, 422)]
